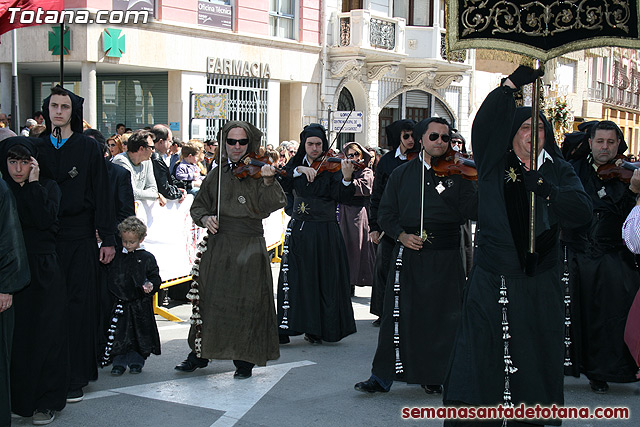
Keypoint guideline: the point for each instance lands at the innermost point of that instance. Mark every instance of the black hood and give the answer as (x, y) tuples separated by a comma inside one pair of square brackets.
[(76, 112), (253, 134), (521, 115), (31, 145), (313, 129), (394, 129)]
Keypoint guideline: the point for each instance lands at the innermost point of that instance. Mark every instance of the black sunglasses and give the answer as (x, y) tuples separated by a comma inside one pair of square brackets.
[(434, 136), (352, 155), (407, 136), (232, 141)]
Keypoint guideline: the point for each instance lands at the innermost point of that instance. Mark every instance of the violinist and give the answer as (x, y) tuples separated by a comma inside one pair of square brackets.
[(603, 275), (459, 144), (313, 286), (235, 284), (423, 294), (400, 139), (354, 221)]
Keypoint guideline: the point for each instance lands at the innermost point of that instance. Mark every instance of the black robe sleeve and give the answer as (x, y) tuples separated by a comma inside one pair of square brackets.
[(14, 266), (105, 219), (38, 204), (153, 272), (389, 209), (491, 138)]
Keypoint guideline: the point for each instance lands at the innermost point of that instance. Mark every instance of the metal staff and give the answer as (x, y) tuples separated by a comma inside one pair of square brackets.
[(532, 256)]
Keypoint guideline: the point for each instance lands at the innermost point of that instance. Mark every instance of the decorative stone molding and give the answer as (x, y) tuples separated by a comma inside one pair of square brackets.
[(443, 80), (416, 77), (348, 68), (377, 71)]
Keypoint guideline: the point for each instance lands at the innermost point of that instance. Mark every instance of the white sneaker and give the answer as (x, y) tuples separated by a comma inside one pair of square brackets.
[(43, 416)]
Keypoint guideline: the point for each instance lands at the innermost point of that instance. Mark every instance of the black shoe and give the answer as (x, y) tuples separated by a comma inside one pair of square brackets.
[(74, 396), (376, 322), (432, 389), (313, 339), (135, 369), (116, 371), (600, 387), (284, 339), (189, 365), (370, 386), (242, 374)]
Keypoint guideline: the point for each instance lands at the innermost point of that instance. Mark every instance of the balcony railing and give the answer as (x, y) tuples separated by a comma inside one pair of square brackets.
[(611, 94), (455, 56), (358, 28)]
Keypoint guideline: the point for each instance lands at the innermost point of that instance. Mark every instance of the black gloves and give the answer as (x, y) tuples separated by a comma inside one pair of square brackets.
[(524, 75), (534, 182)]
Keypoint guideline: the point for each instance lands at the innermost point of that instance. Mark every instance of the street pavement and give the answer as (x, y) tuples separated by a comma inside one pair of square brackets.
[(310, 385)]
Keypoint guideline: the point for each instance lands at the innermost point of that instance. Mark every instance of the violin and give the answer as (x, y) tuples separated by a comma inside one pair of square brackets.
[(251, 165), (455, 163), (620, 169), (332, 162)]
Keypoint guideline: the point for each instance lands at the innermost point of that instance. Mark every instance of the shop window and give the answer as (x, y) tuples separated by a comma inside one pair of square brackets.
[(282, 18), (42, 88), (417, 13), (137, 100), (109, 93)]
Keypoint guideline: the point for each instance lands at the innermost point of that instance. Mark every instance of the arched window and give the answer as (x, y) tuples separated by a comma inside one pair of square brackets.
[(345, 103)]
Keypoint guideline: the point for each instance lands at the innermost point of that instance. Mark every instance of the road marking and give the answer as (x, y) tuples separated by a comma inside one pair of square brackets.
[(220, 392)]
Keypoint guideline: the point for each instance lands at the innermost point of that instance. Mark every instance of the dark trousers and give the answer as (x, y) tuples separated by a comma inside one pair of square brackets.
[(130, 359), (243, 366)]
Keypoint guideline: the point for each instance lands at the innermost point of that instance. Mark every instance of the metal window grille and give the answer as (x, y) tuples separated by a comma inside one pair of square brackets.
[(246, 101)]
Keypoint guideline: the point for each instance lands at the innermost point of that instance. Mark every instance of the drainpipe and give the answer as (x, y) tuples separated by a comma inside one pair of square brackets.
[(323, 38)]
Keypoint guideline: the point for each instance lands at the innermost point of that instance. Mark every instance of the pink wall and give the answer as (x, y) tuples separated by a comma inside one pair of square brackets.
[(310, 21), (179, 11), (94, 4), (252, 16)]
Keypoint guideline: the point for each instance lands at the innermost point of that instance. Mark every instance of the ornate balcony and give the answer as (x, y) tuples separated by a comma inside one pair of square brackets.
[(611, 94), (371, 37)]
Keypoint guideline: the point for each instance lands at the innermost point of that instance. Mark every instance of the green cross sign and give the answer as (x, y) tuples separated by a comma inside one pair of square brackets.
[(113, 43), (54, 41)]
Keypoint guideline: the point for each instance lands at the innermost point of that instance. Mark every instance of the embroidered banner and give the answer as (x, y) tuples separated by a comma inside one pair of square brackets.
[(542, 29)]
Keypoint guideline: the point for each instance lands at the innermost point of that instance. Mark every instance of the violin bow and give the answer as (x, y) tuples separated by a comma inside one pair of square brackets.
[(220, 176), (422, 233), (334, 140)]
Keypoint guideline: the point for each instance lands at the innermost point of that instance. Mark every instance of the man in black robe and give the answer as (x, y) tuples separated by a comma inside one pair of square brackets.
[(423, 295), (77, 164), (509, 346), (14, 275), (400, 138), (603, 274)]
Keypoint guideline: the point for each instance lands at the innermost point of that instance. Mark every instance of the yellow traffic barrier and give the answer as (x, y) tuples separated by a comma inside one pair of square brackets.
[(161, 311)]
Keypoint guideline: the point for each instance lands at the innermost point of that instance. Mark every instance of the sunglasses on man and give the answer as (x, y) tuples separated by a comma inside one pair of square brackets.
[(243, 141), (434, 136)]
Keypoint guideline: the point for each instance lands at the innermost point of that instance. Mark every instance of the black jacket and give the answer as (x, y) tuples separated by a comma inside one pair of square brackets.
[(165, 181), (122, 192)]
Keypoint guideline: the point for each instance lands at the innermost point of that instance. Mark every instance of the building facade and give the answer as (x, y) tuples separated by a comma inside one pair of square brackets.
[(282, 63)]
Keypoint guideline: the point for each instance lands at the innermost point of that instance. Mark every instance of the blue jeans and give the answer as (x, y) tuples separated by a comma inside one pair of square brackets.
[(129, 359)]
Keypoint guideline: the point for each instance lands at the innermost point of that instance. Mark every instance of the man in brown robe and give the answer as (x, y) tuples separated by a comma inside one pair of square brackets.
[(235, 315)]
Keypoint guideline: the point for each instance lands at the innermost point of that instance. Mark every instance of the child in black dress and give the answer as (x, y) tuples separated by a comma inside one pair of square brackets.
[(133, 279)]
